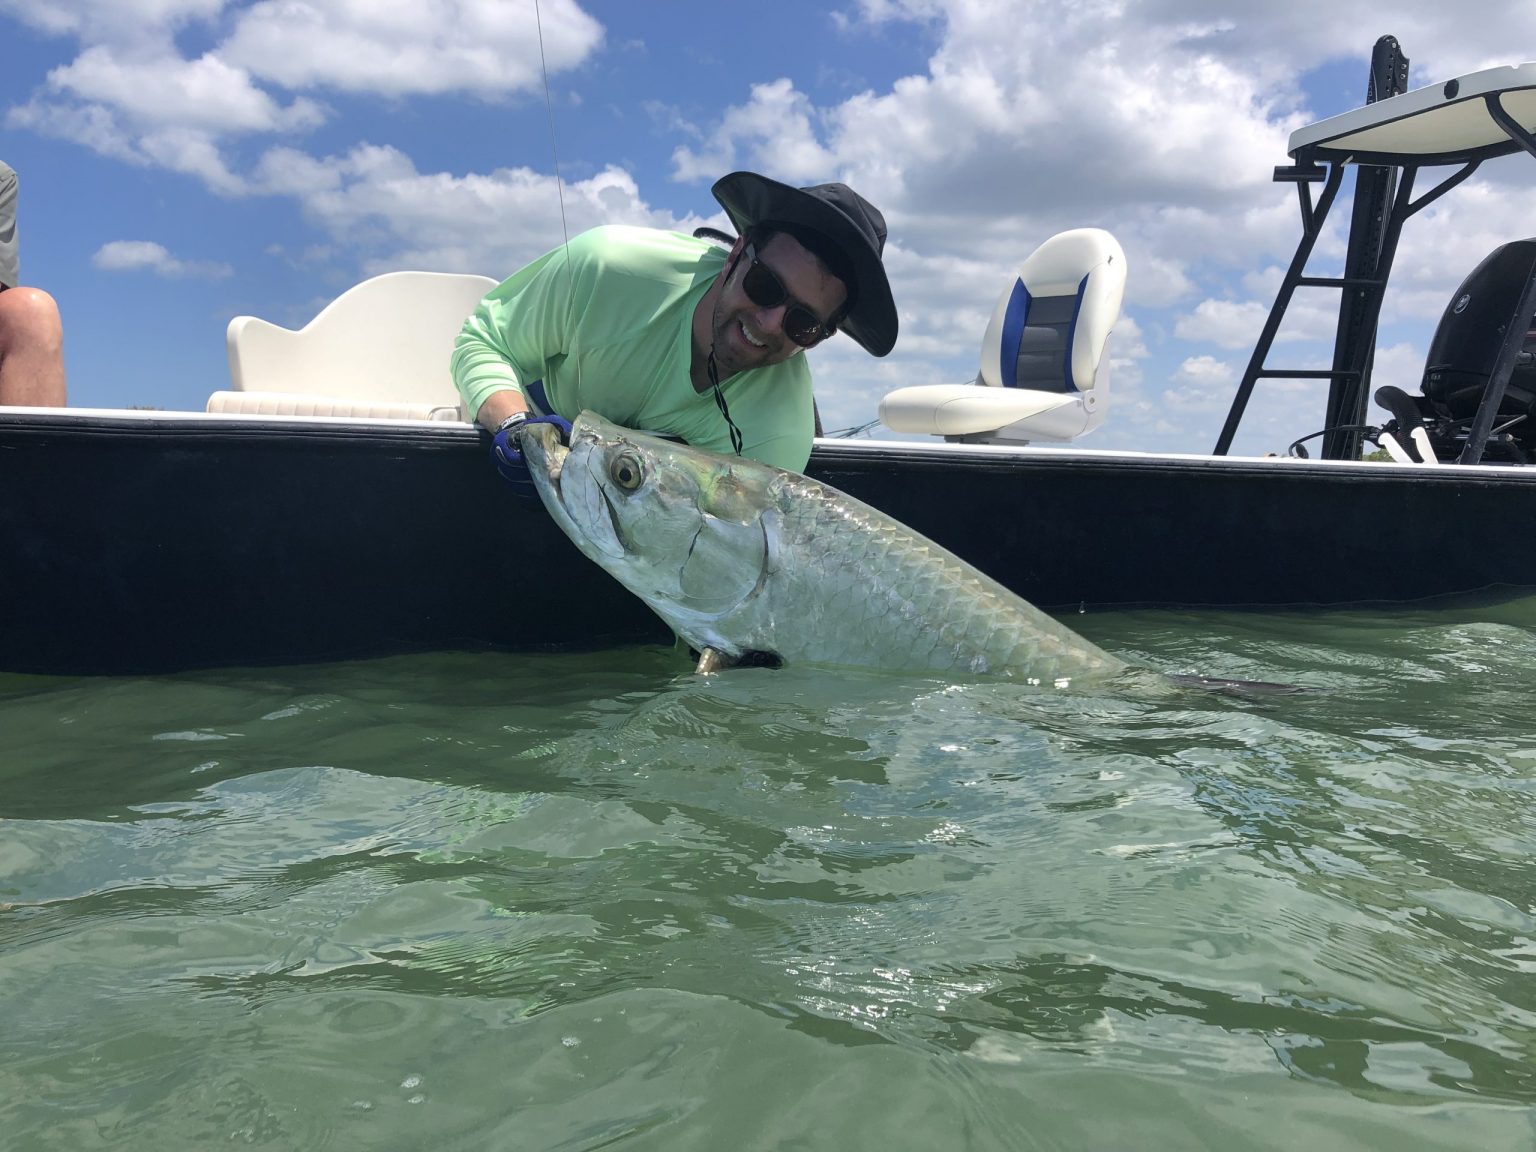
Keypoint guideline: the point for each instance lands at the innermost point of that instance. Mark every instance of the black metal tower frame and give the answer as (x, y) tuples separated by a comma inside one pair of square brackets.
[(1383, 203), (1380, 206)]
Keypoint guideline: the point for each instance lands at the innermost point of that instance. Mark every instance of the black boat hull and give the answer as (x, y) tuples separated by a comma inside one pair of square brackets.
[(141, 544)]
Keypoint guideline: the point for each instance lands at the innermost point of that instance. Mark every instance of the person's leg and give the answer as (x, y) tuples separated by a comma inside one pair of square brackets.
[(31, 349)]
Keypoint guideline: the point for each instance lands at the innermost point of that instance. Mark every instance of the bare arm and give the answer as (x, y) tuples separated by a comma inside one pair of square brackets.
[(498, 406)]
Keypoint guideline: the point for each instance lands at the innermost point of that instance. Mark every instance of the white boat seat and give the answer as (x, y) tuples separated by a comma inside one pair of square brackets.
[(381, 347), (971, 411), (1043, 366)]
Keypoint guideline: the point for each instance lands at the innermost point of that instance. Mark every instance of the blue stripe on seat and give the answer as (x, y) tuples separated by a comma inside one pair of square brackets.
[(1013, 334)]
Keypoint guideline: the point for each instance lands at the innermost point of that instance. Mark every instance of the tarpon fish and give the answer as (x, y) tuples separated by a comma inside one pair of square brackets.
[(741, 559)]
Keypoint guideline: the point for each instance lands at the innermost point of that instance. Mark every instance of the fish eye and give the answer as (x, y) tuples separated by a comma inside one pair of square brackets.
[(626, 472)]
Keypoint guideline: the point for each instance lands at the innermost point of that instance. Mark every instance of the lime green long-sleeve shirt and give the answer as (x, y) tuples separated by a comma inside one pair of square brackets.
[(611, 330)]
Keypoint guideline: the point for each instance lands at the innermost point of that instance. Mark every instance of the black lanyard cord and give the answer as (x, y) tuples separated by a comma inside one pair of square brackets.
[(714, 380)]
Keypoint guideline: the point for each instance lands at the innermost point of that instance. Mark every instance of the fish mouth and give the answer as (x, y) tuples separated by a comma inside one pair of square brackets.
[(585, 512), (543, 447)]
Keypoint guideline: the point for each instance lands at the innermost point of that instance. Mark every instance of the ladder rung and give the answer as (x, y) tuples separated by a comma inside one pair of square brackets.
[(1338, 282), (1309, 373), (1309, 173)]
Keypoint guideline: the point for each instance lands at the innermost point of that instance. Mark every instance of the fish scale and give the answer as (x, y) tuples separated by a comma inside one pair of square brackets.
[(739, 557), (893, 598)]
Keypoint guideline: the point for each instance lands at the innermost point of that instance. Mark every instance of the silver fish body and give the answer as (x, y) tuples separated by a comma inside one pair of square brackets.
[(741, 557)]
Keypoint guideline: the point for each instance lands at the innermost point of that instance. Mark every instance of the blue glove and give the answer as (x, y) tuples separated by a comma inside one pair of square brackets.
[(507, 452)]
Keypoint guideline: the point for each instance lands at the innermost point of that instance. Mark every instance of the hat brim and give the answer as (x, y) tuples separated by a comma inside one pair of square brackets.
[(749, 199)]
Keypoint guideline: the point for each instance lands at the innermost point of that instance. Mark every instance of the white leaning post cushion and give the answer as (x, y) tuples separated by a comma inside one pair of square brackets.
[(387, 340)]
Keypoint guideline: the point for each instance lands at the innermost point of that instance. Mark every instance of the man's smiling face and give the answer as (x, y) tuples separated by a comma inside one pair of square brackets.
[(749, 335)]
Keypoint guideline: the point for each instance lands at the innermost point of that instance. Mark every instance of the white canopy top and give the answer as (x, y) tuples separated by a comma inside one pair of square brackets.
[(1442, 124)]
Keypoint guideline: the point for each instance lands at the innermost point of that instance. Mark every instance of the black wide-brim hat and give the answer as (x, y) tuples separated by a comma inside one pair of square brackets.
[(838, 213)]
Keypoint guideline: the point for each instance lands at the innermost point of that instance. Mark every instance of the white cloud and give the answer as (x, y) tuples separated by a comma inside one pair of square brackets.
[(156, 109), (773, 132), (132, 95), (117, 21), (486, 47), (159, 91), (146, 255), (373, 200), (89, 125), (192, 152), (187, 150), (1204, 383), (880, 11), (1226, 323), (1036, 127)]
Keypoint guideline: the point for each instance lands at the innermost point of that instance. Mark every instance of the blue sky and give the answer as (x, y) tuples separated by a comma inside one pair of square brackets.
[(186, 161)]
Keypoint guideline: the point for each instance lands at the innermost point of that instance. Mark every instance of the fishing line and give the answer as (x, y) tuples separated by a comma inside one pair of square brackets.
[(554, 151), (570, 281)]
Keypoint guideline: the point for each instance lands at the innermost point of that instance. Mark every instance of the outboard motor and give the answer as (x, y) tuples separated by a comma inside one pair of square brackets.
[(1483, 314), (1472, 331)]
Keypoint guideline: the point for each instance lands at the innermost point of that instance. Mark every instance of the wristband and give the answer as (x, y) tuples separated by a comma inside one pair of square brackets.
[(512, 421)]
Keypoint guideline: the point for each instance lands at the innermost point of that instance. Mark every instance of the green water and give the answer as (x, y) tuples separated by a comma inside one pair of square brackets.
[(498, 901)]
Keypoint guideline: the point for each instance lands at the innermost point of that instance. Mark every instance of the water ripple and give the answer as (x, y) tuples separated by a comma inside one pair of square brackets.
[(589, 900)]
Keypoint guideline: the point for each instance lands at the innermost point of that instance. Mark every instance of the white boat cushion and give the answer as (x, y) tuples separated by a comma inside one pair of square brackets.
[(386, 340), (966, 410), (300, 404)]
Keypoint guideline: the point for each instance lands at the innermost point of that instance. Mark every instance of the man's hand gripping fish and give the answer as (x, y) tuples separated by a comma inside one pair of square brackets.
[(740, 558)]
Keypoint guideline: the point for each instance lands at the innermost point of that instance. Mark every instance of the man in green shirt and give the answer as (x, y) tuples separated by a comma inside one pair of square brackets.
[(31, 337), (672, 334)]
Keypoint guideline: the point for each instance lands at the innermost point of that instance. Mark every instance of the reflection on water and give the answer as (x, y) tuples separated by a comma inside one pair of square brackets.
[(493, 900)]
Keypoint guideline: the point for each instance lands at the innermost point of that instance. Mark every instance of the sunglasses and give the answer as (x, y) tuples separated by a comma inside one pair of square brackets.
[(764, 288)]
